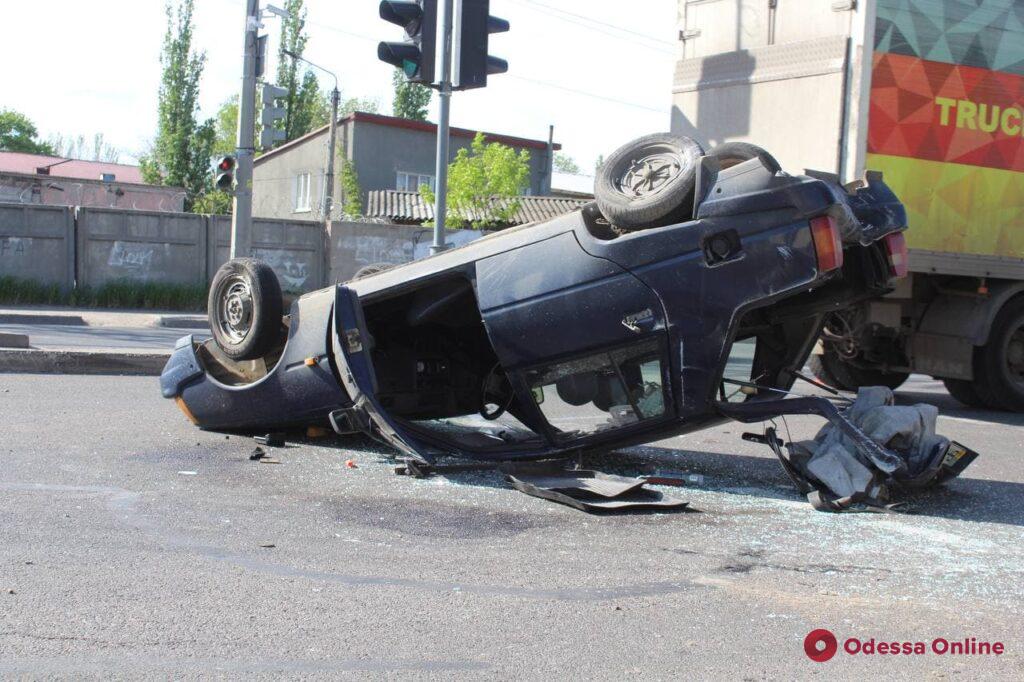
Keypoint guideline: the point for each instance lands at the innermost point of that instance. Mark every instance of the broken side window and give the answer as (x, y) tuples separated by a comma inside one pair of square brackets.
[(601, 391)]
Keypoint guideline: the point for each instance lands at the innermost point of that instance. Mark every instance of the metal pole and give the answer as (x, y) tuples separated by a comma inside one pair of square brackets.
[(329, 173), (445, 96), (241, 217)]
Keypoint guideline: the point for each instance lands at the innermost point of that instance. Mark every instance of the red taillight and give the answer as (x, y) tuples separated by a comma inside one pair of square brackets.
[(827, 243), (896, 246)]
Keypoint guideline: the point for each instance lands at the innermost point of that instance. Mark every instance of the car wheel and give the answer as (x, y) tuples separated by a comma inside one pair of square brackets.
[(371, 269), (244, 308), (964, 392), (649, 181), (999, 364), (733, 153), (852, 377)]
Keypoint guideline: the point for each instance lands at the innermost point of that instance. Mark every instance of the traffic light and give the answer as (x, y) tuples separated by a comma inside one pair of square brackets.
[(225, 173), (270, 114), (415, 56), (470, 35)]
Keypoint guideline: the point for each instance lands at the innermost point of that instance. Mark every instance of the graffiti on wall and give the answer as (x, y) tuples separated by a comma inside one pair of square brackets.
[(368, 249), (292, 271), (14, 246), (131, 256)]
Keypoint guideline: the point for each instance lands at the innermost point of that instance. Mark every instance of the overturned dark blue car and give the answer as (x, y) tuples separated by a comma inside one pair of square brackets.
[(690, 292)]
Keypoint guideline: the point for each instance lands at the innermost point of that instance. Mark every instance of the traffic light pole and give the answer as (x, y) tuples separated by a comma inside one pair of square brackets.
[(444, 97), (241, 216)]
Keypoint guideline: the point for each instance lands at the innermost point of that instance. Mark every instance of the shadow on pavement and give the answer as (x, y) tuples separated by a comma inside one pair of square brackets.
[(964, 499), (949, 407)]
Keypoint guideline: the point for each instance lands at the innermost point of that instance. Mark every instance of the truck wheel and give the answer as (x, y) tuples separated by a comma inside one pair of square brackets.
[(999, 364), (244, 308), (822, 373), (964, 391), (734, 153), (852, 377), (649, 182), (371, 269)]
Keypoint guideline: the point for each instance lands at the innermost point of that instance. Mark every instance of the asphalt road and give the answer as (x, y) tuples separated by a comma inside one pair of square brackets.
[(134, 545)]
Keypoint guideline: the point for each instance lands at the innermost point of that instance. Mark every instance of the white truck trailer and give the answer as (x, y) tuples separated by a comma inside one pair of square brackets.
[(931, 93)]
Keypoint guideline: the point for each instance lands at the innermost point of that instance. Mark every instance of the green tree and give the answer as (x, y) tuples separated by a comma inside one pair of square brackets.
[(483, 183), (183, 148), (411, 99), (18, 134), (226, 127), (351, 192), (78, 148), (566, 164), (364, 104), (214, 202), (306, 106), (599, 162)]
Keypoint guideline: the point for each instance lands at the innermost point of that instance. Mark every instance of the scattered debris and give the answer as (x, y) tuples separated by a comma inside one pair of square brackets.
[(267, 545), (837, 473), (269, 460), (351, 464), (10, 591), (274, 439), (258, 453), (674, 480), (589, 491), (188, 473), (417, 469)]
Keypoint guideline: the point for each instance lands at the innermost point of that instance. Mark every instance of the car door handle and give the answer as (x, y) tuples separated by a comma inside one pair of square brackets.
[(642, 321)]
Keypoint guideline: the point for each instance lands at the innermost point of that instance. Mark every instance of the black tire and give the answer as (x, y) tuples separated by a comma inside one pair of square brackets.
[(730, 154), (649, 181), (371, 269), (822, 374), (964, 392), (999, 364), (852, 377), (244, 308)]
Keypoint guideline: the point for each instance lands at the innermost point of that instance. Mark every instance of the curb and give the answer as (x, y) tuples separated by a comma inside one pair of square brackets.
[(183, 322), (19, 318), (81, 362)]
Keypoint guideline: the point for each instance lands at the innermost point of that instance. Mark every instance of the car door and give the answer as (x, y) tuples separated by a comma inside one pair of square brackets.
[(583, 330), (352, 354)]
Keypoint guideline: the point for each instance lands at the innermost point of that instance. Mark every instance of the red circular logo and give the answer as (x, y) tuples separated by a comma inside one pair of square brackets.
[(820, 645)]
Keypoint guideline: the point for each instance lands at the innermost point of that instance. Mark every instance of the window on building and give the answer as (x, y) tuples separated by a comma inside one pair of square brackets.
[(302, 192), (410, 182)]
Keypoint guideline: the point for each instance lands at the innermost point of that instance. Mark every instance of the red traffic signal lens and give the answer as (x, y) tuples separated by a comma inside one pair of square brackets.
[(226, 164)]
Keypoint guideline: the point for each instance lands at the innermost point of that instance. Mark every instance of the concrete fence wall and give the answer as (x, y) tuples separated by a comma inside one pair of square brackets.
[(37, 243), (92, 246), (353, 245), (143, 246), (295, 250)]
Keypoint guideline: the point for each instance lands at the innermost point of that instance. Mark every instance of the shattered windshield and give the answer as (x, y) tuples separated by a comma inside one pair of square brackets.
[(603, 391)]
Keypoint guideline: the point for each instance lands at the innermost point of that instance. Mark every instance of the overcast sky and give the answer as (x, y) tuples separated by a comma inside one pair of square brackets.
[(599, 70)]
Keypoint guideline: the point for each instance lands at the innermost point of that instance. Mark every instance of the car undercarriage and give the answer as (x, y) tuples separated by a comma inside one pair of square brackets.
[(573, 334)]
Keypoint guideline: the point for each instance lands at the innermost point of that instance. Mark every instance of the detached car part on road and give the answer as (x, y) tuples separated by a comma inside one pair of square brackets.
[(689, 293)]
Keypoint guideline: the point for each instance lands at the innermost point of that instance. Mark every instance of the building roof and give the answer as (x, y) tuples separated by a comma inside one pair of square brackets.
[(409, 207), (60, 167), (408, 124)]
